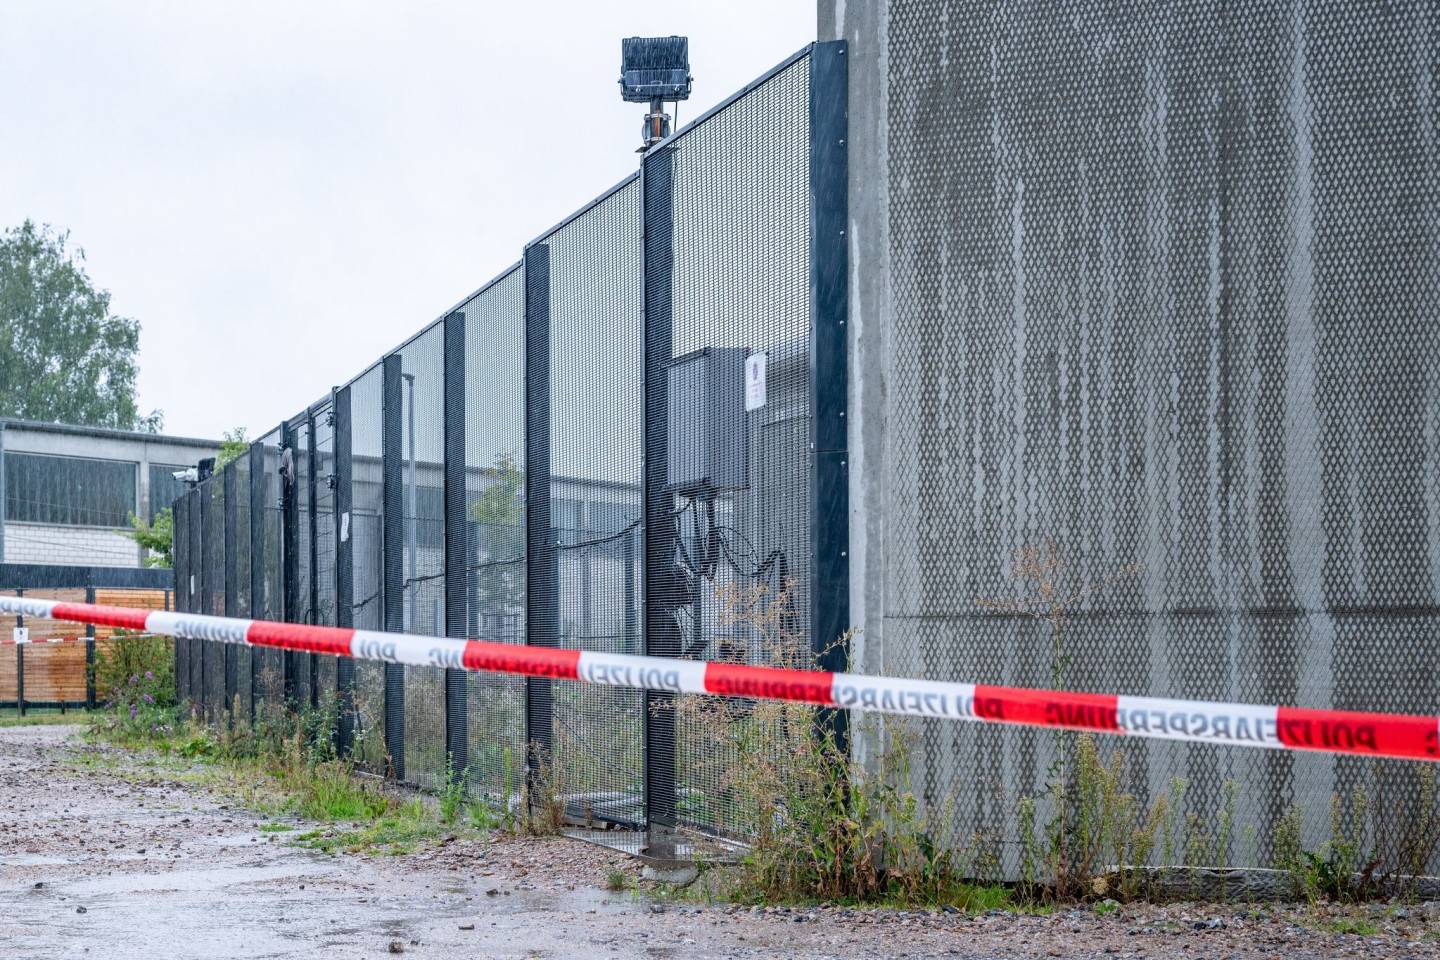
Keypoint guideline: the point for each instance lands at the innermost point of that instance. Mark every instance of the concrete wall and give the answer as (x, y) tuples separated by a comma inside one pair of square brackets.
[(1160, 286)]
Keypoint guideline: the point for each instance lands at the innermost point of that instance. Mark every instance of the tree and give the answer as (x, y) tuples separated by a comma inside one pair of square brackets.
[(63, 356), (157, 537), (233, 445)]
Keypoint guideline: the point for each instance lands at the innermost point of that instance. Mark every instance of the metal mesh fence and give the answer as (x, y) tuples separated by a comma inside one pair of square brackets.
[(593, 470), (495, 526), (322, 520), (423, 593), (367, 540), (617, 491), (180, 558), (268, 573), (737, 472), (237, 582), (212, 597)]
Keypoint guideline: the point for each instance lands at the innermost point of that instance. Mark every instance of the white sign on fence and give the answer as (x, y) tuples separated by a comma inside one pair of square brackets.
[(754, 381), (22, 634)]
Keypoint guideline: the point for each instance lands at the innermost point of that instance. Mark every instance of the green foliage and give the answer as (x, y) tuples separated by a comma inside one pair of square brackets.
[(233, 445), (820, 824), (157, 536), (452, 796), (63, 356)]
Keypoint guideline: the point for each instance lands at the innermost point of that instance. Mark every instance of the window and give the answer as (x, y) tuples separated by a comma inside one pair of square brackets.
[(68, 490)]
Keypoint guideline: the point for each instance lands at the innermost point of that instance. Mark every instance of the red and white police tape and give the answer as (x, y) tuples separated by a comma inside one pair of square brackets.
[(1332, 731)]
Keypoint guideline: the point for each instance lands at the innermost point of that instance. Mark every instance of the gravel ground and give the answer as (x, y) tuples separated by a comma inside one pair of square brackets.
[(106, 860)]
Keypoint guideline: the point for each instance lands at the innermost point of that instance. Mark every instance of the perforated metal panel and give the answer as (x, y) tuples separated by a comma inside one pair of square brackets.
[(1165, 293)]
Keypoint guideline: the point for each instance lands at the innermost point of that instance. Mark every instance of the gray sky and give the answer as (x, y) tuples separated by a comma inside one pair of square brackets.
[(281, 191)]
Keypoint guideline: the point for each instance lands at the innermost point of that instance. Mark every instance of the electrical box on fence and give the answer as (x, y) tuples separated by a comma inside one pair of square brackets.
[(706, 438)]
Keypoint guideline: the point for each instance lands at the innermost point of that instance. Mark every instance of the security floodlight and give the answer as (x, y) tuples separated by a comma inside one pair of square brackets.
[(655, 70)]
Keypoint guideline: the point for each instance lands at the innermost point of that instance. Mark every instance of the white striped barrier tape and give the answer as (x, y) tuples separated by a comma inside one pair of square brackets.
[(1332, 731)]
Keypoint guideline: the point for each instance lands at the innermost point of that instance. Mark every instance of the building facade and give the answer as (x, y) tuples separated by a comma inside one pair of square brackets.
[(67, 493)]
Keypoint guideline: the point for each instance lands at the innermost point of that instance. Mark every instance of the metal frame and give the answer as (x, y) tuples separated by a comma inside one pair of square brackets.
[(289, 556), (392, 416), (344, 565), (457, 685), (256, 492), (664, 590), (542, 559), (829, 371), (230, 478)]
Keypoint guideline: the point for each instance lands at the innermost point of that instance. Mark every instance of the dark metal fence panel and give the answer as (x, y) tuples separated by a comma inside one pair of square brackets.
[(367, 549), (734, 289), (344, 567), (269, 601), (180, 560), (304, 609), (457, 736), (196, 685), (595, 447), (422, 457), (392, 406), (323, 550), (237, 583), (495, 534), (212, 594)]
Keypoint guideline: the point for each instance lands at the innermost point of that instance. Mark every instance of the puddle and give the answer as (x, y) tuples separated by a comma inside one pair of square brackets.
[(190, 880)]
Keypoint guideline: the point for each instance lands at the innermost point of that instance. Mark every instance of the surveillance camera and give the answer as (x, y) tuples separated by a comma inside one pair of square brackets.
[(187, 476)]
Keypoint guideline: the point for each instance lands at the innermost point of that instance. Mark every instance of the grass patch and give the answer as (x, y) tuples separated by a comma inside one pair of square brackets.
[(399, 831), (1353, 926), (275, 828), (43, 719)]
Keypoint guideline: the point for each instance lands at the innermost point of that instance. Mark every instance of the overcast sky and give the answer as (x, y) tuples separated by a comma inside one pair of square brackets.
[(282, 191)]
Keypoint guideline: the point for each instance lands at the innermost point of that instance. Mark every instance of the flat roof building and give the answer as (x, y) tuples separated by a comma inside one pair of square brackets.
[(67, 492)]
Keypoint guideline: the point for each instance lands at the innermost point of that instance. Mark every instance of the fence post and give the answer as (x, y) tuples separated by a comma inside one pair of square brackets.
[(344, 567), (258, 609), (312, 521), (290, 554), (829, 380), (19, 665), (197, 647), (456, 522), (541, 567), (232, 582), (392, 494), (664, 590), (89, 655)]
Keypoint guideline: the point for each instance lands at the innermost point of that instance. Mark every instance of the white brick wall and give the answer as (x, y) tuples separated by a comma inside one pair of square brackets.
[(73, 546)]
